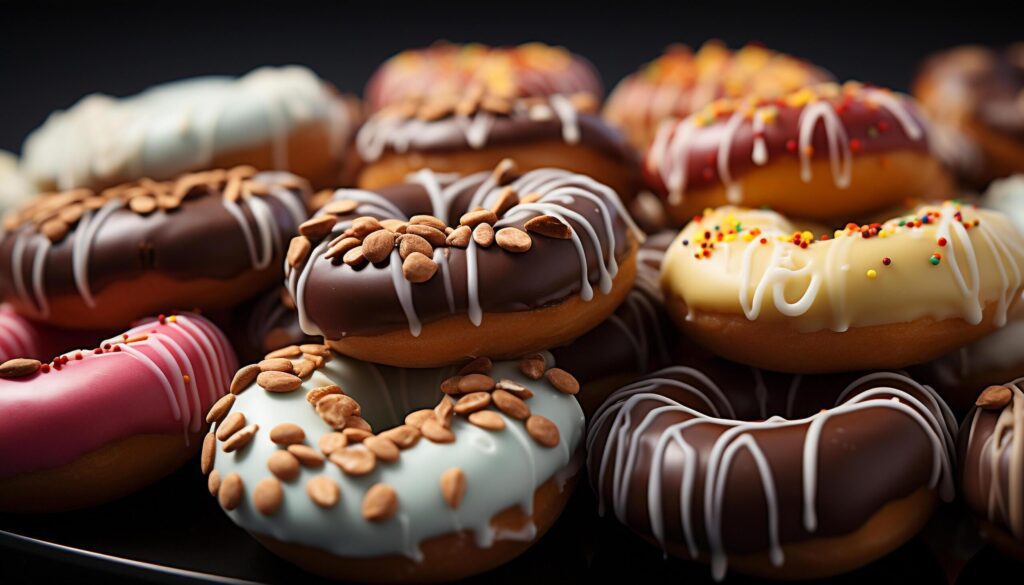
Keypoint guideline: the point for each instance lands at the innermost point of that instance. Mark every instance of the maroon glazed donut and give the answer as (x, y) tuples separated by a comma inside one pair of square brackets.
[(530, 69), (992, 465), (823, 152), (772, 475), (444, 267), (974, 95), (209, 240)]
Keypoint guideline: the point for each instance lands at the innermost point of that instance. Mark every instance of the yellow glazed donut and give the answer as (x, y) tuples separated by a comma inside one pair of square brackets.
[(755, 288)]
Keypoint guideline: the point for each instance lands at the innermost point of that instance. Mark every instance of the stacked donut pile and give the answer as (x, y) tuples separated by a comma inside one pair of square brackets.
[(750, 300)]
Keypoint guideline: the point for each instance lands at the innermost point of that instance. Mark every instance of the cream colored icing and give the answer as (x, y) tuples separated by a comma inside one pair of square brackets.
[(14, 188), (1007, 195), (829, 284), (502, 468), (181, 126)]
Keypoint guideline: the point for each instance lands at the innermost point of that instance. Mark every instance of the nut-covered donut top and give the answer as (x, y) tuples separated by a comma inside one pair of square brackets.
[(183, 126), (720, 460), (440, 245), (159, 377), (943, 261), (474, 121), (992, 457), (530, 69), (214, 224), (365, 461), (730, 137), (974, 83), (680, 82)]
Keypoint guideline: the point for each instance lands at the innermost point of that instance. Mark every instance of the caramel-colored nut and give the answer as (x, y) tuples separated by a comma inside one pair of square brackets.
[(284, 465), (415, 419), (404, 436), (341, 207), (994, 398), (306, 455), (354, 257), (477, 217), (418, 268), (453, 487), (513, 240), (240, 439), (356, 435), (529, 198), (272, 381), (332, 442), (394, 225), (532, 366), (304, 368), (473, 402), (476, 383), (504, 171), (507, 199), (315, 349), (230, 425), (341, 247), (480, 365), (563, 381), (444, 412), (378, 245), (514, 387), (451, 385), (542, 430), (314, 395), (383, 448), (244, 378), (230, 493), (436, 433), (487, 420), (277, 365), (354, 461), (409, 243), (335, 409), (510, 404), (292, 351), (364, 226), (427, 220), (213, 483), (208, 454), (220, 408), (483, 235), (298, 251), (319, 227), (460, 236), (358, 422), (142, 205), (324, 491), (19, 367), (549, 226), (380, 503), (434, 236), (267, 496)]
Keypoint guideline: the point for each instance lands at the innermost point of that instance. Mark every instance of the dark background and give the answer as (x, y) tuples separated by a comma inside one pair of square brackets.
[(52, 53)]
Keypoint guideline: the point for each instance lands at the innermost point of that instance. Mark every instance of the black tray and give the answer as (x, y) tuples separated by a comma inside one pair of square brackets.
[(175, 532)]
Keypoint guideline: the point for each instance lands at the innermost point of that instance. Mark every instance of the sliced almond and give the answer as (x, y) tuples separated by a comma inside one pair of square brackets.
[(394, 225), (514, 387), (487, 420), (530, 198), (513, 240), (208, 454), (278, 381), (287, 434), (453, 487), (230, 493), (335, 409), (341, 247), (436, 433), (355, 435), (504, 171), (475, 383), (240, 439), (220, 408), (324, 491), (483, 235), (380, 503), (563, 381), (284, 465), (415, 419), (298, 251), (354, 461), (994, 398), (19, 367), (507, 199), (319, 227), (314, 395), (378, 245), (276, 365), (292, 351), (404, 436), (460, 236), (364, 226), (472, 402), (315, 349), (542, 430), (267, 496), (532, 366), (230, 425), (477, 217), (213, 483), (331, 442), (444, 411), (341, 207), (383, 448), (304, 368), (451, 385), (510, 404), (549, 226), (244, 378), (354, 257), (306, 455)]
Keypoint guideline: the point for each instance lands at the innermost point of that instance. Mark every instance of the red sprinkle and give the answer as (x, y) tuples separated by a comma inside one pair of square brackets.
[(887, 260), (942, 242), (791, 145)]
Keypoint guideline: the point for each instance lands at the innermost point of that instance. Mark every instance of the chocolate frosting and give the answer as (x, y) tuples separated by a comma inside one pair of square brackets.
[(197, 238), (865, 457), (338, 300)]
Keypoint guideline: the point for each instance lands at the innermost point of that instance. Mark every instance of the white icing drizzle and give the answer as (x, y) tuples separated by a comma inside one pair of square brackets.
[(400, 134), (840, 155), (623, 437)]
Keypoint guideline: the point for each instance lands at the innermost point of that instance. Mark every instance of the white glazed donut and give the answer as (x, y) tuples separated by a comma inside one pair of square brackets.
[(512, 486), (1007, 195), (285, 117)]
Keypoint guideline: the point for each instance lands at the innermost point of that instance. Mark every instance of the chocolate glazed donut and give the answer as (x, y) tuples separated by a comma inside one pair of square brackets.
[(536, 262), (992, 465), (745, 469), (207, 240)]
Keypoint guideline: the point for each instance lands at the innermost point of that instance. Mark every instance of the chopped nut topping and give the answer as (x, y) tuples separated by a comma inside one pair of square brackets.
[(473, 402), (416, 418), (324, 491), (510, 404), (319, 227), (380, 503), (550, 226), (404, 436), (453, 487), (513, 240), (994, 398), (533, 366), (487, 420), (240, 439), (314, 395), (378, 245), (409, 243), (230, 493), (427, 220), (475, 383), (563, 381), (483, 235), (434, 236), (507, 199), (354, 461), (276, 365), (542, 430), (292, 351), (287, 434), (475, 218), (332, 442), (383, 448), (480, 365), (220, 408), (208, 454), (460, 236), (231, 425), (436, 433), (306, 455), (298, 251)]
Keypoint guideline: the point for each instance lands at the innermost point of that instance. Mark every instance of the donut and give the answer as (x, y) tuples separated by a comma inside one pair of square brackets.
[(822, 152), (94, 425), (527, 70), (273, 118), (636, 339), (753, 287), (14, 188), (267, 322), (681, 82), (82, 260), (1007, 195), (973, 94), (772, 475), (467, 133), (370, 473), (23, 338), (528, 263), (992, 465)]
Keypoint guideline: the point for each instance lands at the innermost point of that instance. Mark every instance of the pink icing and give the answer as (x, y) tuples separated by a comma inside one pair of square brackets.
[(20, 337), (163, 384)]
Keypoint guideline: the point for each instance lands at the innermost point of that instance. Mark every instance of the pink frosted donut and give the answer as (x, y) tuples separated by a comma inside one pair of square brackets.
[(94, 425), (22, 338)]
